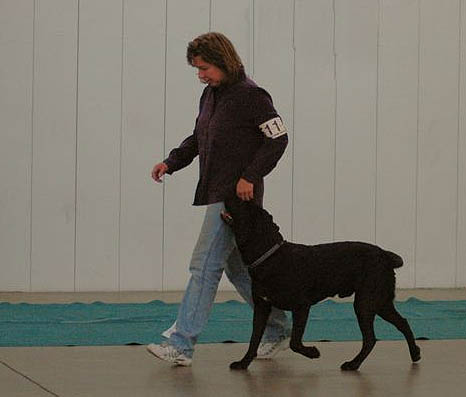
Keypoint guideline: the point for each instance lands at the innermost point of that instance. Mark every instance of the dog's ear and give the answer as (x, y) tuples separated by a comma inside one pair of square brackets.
[(266, 225), (241, 218)]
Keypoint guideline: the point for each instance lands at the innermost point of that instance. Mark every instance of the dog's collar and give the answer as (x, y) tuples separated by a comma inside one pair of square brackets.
[(268, 254)]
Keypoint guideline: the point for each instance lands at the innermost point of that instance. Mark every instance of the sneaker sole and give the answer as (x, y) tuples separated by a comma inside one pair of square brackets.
[(284, 346), (181, 363)]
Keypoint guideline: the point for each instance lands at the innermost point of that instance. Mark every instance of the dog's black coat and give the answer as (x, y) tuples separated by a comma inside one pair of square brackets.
[(297, 276)]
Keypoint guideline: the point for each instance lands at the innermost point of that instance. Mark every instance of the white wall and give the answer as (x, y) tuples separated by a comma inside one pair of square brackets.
[(94, 92)]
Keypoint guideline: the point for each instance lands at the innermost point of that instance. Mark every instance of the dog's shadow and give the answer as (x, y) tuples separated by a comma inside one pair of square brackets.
[(280, 378)]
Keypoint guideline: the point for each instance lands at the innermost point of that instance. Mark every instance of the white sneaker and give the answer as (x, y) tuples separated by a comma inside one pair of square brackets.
[(168, 353), (268, 350)]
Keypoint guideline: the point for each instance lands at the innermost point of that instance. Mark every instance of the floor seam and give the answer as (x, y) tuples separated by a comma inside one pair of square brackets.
[(28, 378)]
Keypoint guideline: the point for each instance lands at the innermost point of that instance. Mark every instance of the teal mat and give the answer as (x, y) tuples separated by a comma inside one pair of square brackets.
[(122, 324)]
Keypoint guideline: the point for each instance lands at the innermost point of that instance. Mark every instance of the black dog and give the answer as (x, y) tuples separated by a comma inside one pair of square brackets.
[(295, 276)]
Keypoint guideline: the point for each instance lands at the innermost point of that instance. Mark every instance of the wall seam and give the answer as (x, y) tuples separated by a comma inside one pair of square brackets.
[(210, 15), (76, 149), (335, 121), (417, 144), (377, 116), (458, 153), (293, 123), (164, 144), (377, 103), (122, 63), (31, 165), (253, 56)]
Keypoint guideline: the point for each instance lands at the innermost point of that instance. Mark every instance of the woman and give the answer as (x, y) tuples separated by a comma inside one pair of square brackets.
[(239, 138)]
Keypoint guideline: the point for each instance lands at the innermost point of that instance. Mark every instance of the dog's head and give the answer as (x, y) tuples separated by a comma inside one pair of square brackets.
[(251, 224), (241, 217)]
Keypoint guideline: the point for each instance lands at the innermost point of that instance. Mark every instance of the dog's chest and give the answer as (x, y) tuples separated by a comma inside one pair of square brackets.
[(260, 291), (264, 293), (282, 298)]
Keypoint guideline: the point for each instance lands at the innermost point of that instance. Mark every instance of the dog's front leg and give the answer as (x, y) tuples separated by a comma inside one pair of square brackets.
[(300, 316), (262, 311)]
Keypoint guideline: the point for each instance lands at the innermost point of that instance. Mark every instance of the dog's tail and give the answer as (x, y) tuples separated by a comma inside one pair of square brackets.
[(393, 260)]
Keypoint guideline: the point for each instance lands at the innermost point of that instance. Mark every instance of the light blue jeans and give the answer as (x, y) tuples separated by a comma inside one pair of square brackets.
[(216, 251)]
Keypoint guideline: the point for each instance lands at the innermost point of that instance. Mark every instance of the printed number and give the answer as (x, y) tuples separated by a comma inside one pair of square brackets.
[(273, 128)]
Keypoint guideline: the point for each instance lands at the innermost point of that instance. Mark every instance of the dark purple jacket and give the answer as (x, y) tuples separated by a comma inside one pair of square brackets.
[(238, 134)]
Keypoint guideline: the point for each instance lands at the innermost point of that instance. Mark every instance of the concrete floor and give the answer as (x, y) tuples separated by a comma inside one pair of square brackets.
[(131, 371)]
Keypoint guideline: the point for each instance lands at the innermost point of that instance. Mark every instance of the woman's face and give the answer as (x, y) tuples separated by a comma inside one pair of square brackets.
[(208, 73)]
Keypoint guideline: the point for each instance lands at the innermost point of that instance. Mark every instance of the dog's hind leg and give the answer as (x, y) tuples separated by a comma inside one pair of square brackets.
[(300, 317), (262, 311), (366, 318), (390, 314)]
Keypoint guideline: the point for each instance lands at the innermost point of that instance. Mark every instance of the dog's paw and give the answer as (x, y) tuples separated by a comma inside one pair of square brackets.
[(308, 351), (349, 366), (239, 365), (415, 354), (314, 352)]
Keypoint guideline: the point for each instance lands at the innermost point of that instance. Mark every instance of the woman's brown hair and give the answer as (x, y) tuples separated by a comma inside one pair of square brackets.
[(217, 49)]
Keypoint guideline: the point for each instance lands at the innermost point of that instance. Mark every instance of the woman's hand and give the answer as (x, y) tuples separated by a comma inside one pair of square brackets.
[(158, 171), (245, 190)]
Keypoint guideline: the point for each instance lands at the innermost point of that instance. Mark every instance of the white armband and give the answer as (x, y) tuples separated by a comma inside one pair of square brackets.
[(273, 128)]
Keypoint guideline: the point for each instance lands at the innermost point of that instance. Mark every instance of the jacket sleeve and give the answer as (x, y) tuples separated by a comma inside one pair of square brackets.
[(184, 155), (275, 139), (266, 158)]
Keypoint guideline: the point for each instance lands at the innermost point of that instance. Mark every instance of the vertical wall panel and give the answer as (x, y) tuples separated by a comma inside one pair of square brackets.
[(234, 19), (461, 238), (273, 70), (98, 150), (356, 68), (16, 53), (438, 134), (185, 20), (314, 124), (397, 132), (141, 233), (53, 183)]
